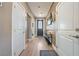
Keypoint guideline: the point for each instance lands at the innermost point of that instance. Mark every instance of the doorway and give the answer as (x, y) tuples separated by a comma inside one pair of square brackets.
[(39, 27)]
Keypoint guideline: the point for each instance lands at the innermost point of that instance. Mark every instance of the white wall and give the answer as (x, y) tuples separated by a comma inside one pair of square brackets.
[(44, 30), (29, 30), (18, 28), (32, 19), (33, 27), (12, 28), (5, 29)]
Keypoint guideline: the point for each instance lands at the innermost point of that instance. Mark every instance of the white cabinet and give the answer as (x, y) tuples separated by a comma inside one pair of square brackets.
[(68, 16), (65, 46), (65, 16), (76, 15), (76, 47), (76, 26), (67, 20)]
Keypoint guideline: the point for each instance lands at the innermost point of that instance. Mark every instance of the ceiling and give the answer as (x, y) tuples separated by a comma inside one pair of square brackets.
[(40, 9)]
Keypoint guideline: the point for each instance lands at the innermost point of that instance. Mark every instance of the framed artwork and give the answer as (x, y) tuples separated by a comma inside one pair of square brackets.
[(0, 4)]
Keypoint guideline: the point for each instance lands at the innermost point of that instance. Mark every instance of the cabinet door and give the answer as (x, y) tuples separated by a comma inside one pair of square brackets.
[(76, 15), (65, 22), (65, 16), (65, 46)]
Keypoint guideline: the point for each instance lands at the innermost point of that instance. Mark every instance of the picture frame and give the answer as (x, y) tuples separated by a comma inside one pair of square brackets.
[(1, 4)]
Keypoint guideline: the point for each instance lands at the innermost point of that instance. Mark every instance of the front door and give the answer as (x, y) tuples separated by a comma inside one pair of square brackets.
[(39, 27)]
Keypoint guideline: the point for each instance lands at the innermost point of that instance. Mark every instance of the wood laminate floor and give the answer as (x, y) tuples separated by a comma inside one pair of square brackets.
[(34, 46)]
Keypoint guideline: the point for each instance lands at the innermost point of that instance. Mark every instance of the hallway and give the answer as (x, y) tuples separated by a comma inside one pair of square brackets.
[(27, 29), (34, 46)]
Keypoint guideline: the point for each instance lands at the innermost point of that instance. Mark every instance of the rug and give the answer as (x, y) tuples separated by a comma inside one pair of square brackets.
[(48, 53)]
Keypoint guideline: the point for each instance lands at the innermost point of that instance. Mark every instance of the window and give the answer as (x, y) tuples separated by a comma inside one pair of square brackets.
[(39, 24)]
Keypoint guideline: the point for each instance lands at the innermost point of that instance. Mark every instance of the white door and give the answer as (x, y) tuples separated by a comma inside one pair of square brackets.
[(18, 28)]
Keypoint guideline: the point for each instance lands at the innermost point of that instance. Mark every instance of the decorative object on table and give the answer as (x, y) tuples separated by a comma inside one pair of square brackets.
[(51, 18)]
